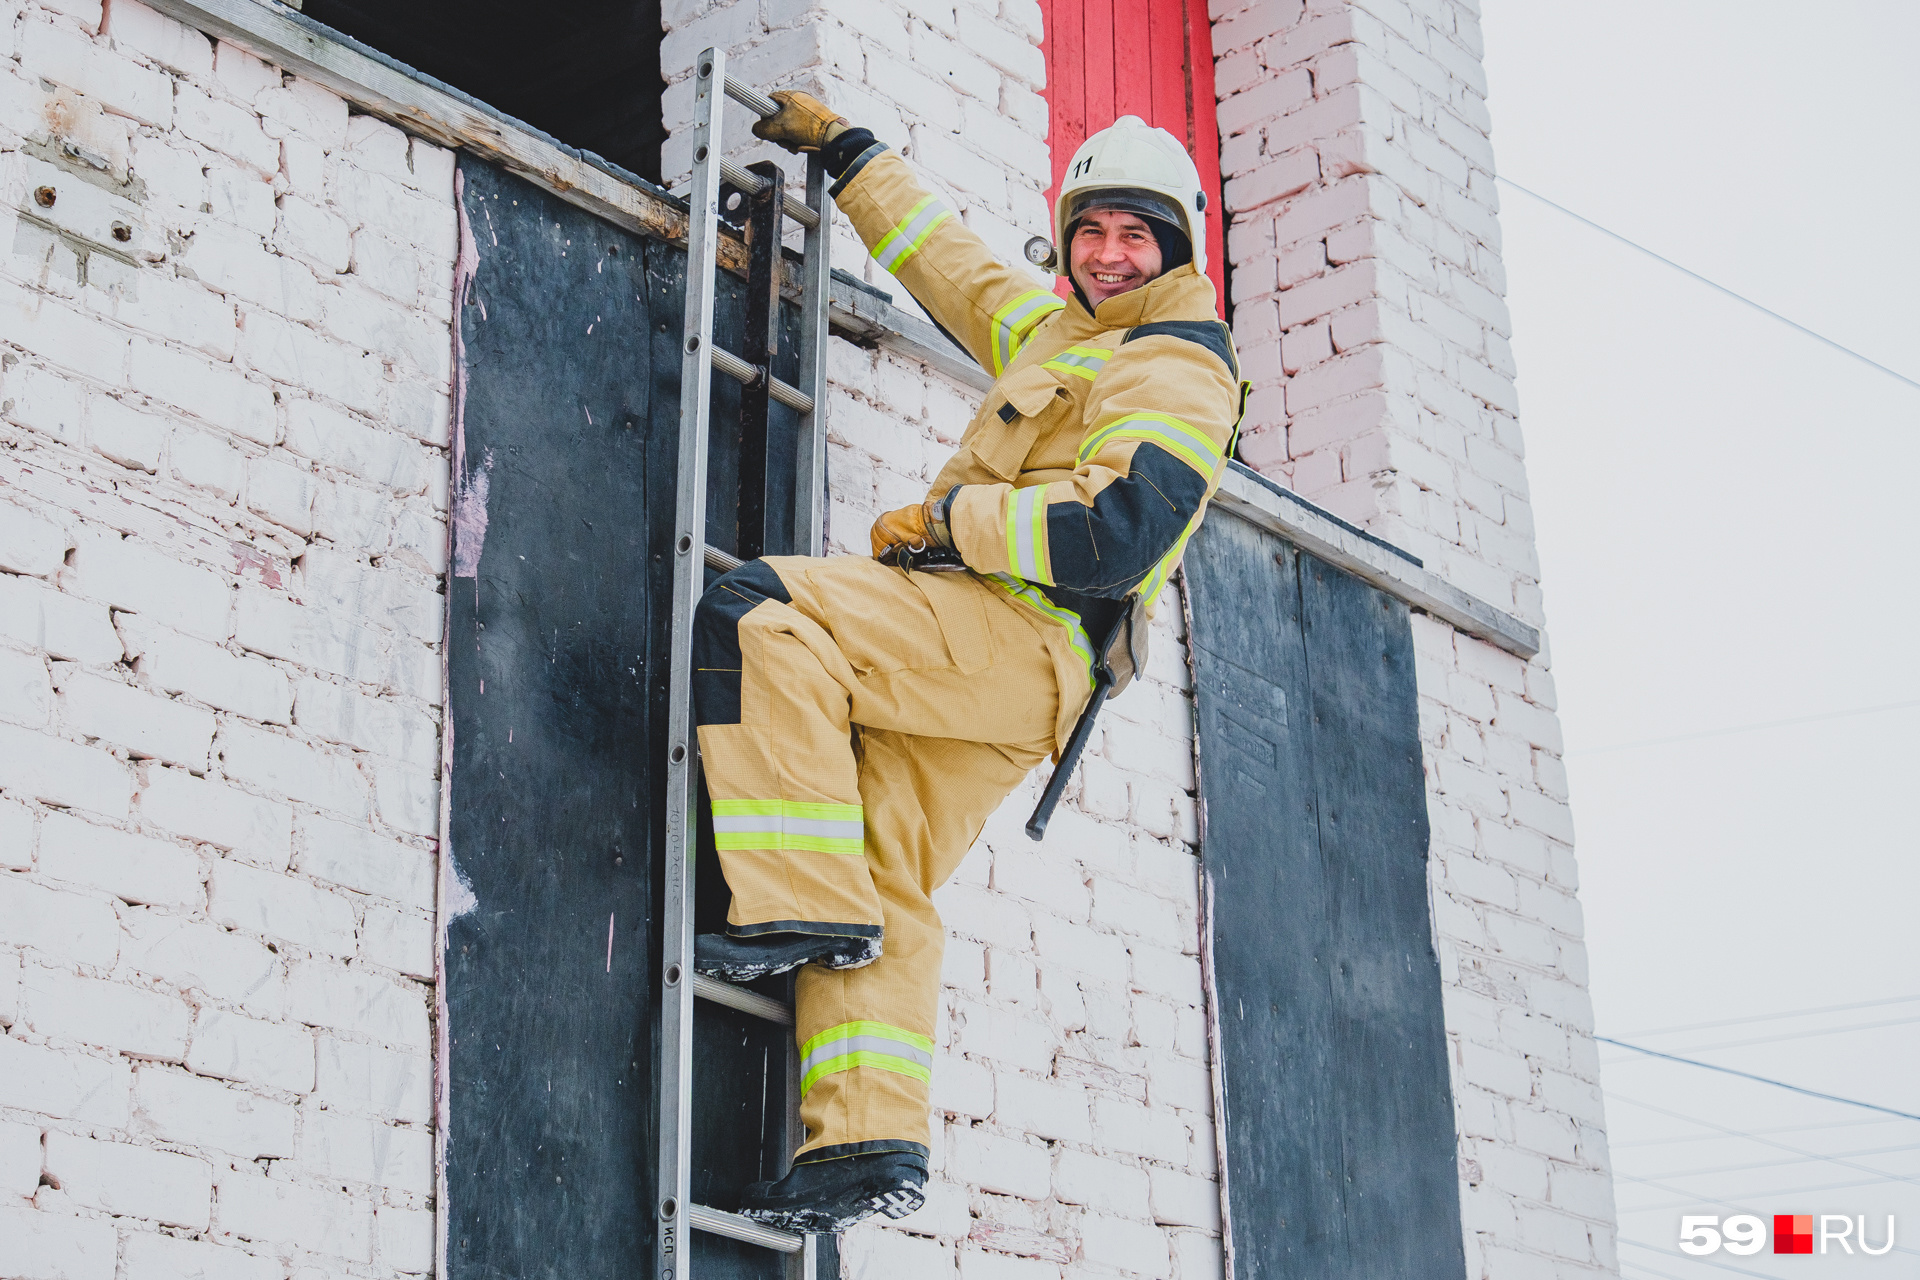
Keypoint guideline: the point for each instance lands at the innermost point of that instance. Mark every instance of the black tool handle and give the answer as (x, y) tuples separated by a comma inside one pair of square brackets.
[(1063, 772)]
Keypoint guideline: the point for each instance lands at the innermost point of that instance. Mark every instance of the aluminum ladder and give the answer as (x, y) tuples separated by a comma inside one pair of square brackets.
[(763, 189)]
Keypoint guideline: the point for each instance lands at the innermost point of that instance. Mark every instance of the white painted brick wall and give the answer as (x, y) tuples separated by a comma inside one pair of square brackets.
[(222, 518), (1368, 309)]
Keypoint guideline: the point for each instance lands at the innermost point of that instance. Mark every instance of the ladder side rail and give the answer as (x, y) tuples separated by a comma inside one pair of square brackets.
[(760, 344), (816, 285), (673, 1248)]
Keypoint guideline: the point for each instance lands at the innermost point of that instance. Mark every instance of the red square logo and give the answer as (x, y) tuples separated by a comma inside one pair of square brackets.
[(1793, 1233)]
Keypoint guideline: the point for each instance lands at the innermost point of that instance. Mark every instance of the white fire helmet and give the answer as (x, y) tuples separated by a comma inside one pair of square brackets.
[(1133, 166)]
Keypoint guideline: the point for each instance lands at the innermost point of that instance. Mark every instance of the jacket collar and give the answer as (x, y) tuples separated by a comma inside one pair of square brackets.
[(1180, 294)]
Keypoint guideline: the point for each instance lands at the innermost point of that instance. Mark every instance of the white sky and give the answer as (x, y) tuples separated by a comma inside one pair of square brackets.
[(1728, 533)]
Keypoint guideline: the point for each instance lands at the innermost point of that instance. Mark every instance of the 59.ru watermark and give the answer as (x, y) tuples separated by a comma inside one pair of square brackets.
[(1745, 1233)]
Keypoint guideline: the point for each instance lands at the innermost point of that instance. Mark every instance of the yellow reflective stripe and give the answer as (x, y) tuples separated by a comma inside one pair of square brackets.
[(1157, 577), (1081, 362), (1031, 595), (1027, 534), (865, 1044), (798, 825), (1181, 439), (905, 239), (1013, 323)]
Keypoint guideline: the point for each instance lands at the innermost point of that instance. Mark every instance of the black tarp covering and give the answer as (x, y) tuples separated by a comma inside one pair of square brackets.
[(1338, 1107)]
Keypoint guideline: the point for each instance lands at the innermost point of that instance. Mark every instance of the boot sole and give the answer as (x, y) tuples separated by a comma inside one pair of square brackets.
[(896, 1203)]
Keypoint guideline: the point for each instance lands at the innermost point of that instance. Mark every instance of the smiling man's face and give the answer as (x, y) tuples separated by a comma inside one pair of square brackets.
[(1112, 252)]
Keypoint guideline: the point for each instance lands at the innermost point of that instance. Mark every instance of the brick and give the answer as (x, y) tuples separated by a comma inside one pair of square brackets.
[(1100, 1183), (961, 1087), (407, 799), (975, 913), (1058, 942), (314, 235), (355, 518), (209, 673), (979, 1264), (195, 955), (362, 318), (62, 336), (279, 906), (376, 1081), (1198, 1257), (285, 766), (28, 543), (876, 1254), (176, 1107), (232, 131), (255, 830), (1125, 909), (107, 1015), (49, 1246), (1003, 1165), (213, 391), (19, 1159), (1180, 1199), (64, 1084), (135, 27), (1127, 1246), (383, 596), (130, 576), (26, 692), (118, 83), (330, 996), (151, 1256), (230, 1047), (146, 725), (298, 356), (398, 941), (379, 725), (207, 462), (359, 859), (64, 926), (406, 1238), (277, 627), (125, 434), (1043, 1108), (275, 1210), (282, 492), (357, 1149), (993, 1035), (129, 1181), (133, 868), (41, 617)]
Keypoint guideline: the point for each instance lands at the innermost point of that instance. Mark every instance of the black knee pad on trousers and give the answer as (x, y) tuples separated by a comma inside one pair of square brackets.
[(716, 638)]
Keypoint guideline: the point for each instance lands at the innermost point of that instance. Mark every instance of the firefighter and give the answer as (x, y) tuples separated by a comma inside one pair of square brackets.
[(860, 721)]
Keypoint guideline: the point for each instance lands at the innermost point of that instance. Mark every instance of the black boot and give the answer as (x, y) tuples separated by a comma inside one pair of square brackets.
[(832, 1195), (721, 955)]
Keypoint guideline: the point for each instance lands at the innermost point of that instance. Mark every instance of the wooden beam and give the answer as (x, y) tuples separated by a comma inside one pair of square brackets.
[(1260, 502)]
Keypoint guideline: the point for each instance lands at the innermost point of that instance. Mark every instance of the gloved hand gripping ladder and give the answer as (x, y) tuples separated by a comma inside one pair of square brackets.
[(680, 986)]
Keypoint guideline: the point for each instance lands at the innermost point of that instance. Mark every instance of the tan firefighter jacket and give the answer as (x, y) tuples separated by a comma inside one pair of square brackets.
[(1094, 455)]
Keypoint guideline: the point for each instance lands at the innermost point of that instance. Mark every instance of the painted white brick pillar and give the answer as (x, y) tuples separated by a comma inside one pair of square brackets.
[(1369, 311)]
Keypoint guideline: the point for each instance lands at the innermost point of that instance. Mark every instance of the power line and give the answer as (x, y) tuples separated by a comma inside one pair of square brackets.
[(1744, 728), (1712, 284), (1755, 1138), (1839, 1158), (1801, 1035), (1771, 1194), (1748, 1075), (1822, 1127), (1770, 1017)]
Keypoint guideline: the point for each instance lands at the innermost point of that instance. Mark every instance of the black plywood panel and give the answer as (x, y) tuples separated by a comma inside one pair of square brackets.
[(1339, 1120), (557, 670)]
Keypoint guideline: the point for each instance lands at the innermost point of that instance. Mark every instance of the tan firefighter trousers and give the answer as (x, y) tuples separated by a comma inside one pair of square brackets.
[(857, 726)]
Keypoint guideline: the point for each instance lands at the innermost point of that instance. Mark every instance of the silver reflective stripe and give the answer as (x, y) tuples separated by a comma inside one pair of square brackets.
[(758, 822), (906, 238), (864, 1044)]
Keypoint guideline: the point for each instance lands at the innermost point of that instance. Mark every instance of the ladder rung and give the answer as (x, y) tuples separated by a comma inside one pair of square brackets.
[(752, 99), (742, 999), (731, 1225), (742, 372), (722, 561), (735, 176)]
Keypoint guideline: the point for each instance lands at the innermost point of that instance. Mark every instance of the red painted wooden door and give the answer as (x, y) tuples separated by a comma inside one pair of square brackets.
[(1146, 58)]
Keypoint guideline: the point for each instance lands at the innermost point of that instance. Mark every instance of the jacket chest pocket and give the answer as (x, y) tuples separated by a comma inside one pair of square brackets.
[(1023, 406)]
